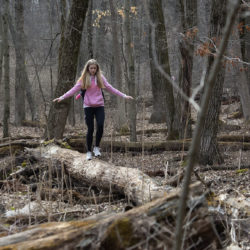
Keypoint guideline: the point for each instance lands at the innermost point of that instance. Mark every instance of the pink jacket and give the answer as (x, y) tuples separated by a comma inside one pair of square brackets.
[(93, 95)]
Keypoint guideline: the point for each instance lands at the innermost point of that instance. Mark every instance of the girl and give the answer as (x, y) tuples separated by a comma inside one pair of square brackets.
[(93, 82)]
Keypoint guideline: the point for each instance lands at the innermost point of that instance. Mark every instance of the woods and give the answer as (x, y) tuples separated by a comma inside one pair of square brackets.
[(172, 167)]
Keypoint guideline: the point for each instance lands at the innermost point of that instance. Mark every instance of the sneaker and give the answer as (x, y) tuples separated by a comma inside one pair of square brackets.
[(89, 156), (96, 151)]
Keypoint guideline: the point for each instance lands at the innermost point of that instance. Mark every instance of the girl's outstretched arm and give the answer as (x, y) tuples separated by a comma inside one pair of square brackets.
[(113, 90), (69, 93)]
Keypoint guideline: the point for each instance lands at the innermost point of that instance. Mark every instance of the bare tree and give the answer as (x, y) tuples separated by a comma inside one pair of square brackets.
[(120, 116), (90, 30), (163, 105), (20, 62), (209, 151), (1, 49), (130, 74), (188, 13), (68, 55), (6, 67), (194, 149), (22, 83), (244, 84)]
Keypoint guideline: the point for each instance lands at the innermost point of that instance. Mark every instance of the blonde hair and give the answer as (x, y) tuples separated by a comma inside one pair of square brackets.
[(85, 76)]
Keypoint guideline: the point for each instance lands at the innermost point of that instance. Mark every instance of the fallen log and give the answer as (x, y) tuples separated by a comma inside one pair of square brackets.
[(150, 226), (16, 138), (119, 146), (154, 147), (220, 168), (137, 186), (14, 147), (234, 138)]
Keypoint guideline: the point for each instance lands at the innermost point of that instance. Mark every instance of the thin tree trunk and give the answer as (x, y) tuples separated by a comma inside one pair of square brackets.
[(71, 117), (130, 74), (1, 49), (120, 117), (18, 41), (68, 56), (20, 62), (90, 30), (163, 109), (6, 67), (244, 88), (188, 11)]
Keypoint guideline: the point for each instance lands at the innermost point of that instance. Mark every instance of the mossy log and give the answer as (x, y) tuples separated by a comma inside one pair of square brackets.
[(229, 143), (150, 226), (126, 133), (137, 186), (119, 146)]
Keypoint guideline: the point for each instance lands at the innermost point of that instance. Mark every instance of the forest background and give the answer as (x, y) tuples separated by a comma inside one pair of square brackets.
[(160, 52)]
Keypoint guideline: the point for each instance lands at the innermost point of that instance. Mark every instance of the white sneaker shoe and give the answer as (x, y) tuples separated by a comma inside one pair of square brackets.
[(96, 151), (89, 156)]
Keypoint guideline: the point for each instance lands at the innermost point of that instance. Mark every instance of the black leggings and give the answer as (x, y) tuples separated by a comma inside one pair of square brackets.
[(90, 113)]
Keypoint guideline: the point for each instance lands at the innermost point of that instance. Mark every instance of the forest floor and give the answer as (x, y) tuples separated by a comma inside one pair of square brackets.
[(233, 183)]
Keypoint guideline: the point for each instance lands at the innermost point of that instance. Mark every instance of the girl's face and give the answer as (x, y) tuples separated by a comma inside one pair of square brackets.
[(92, 69)]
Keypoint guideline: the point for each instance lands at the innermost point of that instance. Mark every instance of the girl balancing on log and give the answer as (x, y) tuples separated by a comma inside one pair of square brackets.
[(91, 82)]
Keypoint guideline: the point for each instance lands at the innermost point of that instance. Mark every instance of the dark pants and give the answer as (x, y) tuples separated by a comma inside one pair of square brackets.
[(90, 113)]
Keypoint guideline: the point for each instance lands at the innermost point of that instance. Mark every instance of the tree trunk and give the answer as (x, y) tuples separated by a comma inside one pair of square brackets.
[(244, 83), (18, 39), (195, 145), (120, 117), (1, 49), (130, 74), (90, 30), (6, 66), (138, 187), (20, 62), (71, 117), (188, 11), (68, 55), (163, 107), (209, 151)]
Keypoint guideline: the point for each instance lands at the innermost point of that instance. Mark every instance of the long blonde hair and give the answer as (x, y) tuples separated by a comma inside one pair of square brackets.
[(85, 76)]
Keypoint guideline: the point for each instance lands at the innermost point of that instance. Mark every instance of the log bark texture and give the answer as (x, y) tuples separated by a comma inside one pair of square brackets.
[(137, 186)]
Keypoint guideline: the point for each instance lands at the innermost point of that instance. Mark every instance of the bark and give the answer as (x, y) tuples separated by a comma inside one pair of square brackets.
[(130, 74), (117, 146), (243, 84), (209, 151), (146, 227), (138, 187), (90, 30), (188, 12), (154, 147), (120, 116), (6, 67), (68, 55), (17, 34), (1, 49), (163, 106), (20, 62)]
